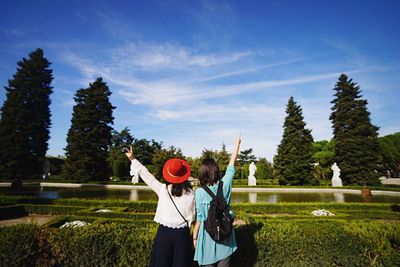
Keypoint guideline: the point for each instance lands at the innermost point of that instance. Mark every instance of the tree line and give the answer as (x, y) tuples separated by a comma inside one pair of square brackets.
[(94, 148)]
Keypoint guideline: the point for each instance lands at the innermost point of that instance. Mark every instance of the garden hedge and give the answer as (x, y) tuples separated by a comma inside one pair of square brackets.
[(271, 243)]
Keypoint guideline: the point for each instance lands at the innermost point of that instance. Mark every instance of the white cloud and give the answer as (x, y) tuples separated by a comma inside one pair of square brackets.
[(152, 56), (176, 85)]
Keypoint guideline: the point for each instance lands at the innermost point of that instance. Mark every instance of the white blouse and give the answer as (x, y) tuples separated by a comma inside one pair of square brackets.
[(166, 213)]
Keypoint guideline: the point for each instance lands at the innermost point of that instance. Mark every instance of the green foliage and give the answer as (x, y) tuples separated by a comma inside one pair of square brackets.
[(357, 151), (265, 169), (116, 157), (161, 156), (333, 242), (145, 150), (56, 165), (10, 212), (293, 162), (246, 170), (390, 151), (246, 156), (25, 119), (89, 137), (19, 246), (84, 246), (194, 165), (222, 158), (121, 168), (275, 234), (318, 243), (323, 156)]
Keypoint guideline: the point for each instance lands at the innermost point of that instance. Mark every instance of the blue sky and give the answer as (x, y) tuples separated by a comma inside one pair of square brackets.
[(195, 73)]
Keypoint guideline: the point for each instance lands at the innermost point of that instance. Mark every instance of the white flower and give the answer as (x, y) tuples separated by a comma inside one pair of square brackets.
[(322, 212), (104, 210), (74, 224)]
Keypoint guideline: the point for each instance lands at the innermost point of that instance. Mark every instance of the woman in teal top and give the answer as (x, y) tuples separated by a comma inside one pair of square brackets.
[(208, 252)]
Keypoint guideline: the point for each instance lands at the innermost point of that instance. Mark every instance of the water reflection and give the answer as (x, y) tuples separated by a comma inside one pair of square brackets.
[(135, 194), (48, 194), (272, 198), (339, 197), (253, 197)]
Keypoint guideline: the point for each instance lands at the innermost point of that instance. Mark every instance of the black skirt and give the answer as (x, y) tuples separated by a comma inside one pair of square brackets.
[(172, 248)]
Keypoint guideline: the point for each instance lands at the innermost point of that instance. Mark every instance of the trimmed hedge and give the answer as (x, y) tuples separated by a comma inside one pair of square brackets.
[(19, 245), (10, 212), (273, 243), (319, 243)]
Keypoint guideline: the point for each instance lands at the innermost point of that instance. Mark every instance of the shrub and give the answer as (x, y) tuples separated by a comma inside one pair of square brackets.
[(318, 243), (283, 181), (18, 245), (121, 168), (10, 212), (270, 243)]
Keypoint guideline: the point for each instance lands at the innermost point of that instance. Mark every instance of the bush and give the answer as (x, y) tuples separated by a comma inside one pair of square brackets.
[(121, 168), (18, 245), (283, 181), (10, 212), (318, 243), (269, 243), (55, 165)]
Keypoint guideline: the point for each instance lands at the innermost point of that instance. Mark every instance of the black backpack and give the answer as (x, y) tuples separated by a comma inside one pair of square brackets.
[(219, 222)]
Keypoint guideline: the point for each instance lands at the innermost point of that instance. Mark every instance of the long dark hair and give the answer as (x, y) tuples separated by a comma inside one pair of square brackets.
[(177, 189), (209, 172)]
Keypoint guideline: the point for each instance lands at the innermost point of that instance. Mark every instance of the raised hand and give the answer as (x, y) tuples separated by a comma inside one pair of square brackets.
[(235, 150), (129, 153)]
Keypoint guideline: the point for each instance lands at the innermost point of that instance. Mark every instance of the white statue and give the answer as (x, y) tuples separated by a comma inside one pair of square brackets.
[(336, 181), (252, 172)]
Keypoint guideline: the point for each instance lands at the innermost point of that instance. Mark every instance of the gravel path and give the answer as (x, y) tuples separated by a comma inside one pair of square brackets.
[(31, 218)]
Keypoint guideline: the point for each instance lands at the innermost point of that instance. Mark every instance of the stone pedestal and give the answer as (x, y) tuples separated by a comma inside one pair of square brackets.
[(252, 181)]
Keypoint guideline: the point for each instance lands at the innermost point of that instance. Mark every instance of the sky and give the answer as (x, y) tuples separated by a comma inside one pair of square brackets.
[(194, 74)]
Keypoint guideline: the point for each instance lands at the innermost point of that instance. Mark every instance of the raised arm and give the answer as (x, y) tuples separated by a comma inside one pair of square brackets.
[(235, 151), (138, 169)]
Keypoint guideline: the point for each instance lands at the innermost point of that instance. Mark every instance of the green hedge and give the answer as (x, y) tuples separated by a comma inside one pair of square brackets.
[(19, 245), (319, 243), (10, 212), (272, 243)]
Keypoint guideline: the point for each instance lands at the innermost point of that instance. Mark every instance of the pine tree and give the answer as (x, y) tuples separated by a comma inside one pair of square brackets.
[(25, 119), (89, 138), (356, 144), (293, 161)]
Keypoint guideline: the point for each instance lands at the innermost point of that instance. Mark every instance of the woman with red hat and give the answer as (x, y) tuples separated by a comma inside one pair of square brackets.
[(175, 212)]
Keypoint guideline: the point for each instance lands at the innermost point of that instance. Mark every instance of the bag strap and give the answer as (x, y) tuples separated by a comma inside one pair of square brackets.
[(177, 208), (219, 193)]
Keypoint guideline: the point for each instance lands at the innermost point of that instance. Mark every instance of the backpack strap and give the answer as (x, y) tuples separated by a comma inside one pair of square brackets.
[(221, 203), (173, 202)]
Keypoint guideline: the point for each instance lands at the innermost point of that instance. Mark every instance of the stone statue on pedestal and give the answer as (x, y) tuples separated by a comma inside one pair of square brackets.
[(252, 172), (336, 181)]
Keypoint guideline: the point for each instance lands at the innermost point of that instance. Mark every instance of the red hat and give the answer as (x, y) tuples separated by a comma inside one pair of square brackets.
[(176, 171)]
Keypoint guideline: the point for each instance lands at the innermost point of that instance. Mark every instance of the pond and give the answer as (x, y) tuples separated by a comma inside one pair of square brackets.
[(140, 193)]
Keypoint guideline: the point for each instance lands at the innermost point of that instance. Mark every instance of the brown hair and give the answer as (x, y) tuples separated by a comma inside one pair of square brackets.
[(209, 172), (177, 189)]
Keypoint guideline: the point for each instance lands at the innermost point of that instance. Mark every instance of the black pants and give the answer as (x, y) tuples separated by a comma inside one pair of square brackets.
[(172, 248)]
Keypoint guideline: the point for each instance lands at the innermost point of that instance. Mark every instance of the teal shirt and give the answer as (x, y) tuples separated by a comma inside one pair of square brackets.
[(207, 250)]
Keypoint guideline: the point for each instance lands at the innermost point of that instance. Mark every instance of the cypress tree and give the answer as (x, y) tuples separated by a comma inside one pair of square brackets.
[(25, 119), (356, 144), (89, 138), (293, 162)]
